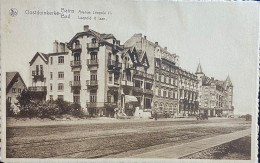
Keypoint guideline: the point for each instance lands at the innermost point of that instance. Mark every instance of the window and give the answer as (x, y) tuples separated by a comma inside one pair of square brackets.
[(148, 86), (33, 73), (157, 76), (41, 69), (19, 90), (156, 91), (61, 59), (51, 60), (94, 40), (51, 97), (93, 98), (161, 78), (51, 87), (60, 75), (51, 75), (93, 75), (147, 103), (76, 98), (37, 69), (60, 86), (9, 99), (169, 94), (138, 83), (13, 90), (170, 81), (60, 97), (76, 56), (159, 92), (110, 77), (76, 76), (93, 56), (164, 93)]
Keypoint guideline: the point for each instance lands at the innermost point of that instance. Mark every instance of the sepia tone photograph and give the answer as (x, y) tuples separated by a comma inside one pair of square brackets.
[(129, 81)]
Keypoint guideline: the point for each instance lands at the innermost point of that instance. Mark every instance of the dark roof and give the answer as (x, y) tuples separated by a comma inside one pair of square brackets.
[(10, 78)]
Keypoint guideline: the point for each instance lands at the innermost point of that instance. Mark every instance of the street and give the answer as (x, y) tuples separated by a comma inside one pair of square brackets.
[(114, 139)]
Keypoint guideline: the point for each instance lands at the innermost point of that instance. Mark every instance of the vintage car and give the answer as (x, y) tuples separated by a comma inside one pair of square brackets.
[(201, 116)]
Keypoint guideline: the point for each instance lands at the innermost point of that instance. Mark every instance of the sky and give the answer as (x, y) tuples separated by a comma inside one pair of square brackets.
[(223, 37)]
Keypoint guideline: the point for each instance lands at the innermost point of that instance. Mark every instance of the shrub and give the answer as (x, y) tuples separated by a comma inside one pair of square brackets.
[(75, 110), (63, 106)]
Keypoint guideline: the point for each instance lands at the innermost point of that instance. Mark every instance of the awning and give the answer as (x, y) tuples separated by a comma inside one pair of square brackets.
[(130, 99)]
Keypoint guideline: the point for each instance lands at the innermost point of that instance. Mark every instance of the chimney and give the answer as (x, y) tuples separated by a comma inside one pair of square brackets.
[(156, 43), (86, 28), (55, 46), (62, 47), (165, 48), (144, 37)]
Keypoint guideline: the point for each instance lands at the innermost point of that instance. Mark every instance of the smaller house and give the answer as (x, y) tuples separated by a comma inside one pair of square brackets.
[(14, 86)]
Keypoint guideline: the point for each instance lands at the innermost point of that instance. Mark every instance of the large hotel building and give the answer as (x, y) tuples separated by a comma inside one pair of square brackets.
[(135, 78)]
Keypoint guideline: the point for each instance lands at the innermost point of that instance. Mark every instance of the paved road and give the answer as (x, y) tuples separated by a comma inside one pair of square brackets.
[(113, 140)]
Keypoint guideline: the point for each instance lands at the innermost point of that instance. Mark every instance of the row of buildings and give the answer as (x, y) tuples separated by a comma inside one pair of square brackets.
[(135, 78)]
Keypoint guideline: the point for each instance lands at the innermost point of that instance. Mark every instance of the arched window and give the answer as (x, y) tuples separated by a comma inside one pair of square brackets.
[(161, 107), (76, 56)]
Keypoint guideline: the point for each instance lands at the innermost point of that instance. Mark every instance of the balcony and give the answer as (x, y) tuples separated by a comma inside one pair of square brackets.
[(138, 90), (92, 46), (148, 91), (75, 83), (92, 62), (38, 75), (127, 83), (75, 63), (38, 88), (114, 64), (76, 47), (92, 83)]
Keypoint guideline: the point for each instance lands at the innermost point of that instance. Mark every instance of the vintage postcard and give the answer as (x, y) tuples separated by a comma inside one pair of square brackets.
[(129, 81)]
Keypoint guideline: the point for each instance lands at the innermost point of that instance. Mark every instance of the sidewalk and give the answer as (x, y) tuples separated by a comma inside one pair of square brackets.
[(185, 149)]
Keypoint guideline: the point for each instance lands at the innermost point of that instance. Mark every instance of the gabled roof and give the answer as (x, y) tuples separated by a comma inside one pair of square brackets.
[(145, 60), (43, 56), (11, 77)]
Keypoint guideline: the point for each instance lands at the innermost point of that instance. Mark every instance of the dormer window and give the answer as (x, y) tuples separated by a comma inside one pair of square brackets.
[(94, 40), (114, 42)]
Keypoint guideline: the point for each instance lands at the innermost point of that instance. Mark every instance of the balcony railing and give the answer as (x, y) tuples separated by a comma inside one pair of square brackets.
[(91, 82), (38, 73), (111, 62), (148, 91), (38, 89), (75, 83), (92, 45), (137, 89), (143, 74), (127, 83), (75, 63), (114, 63), (92, 62), (76, 47)]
